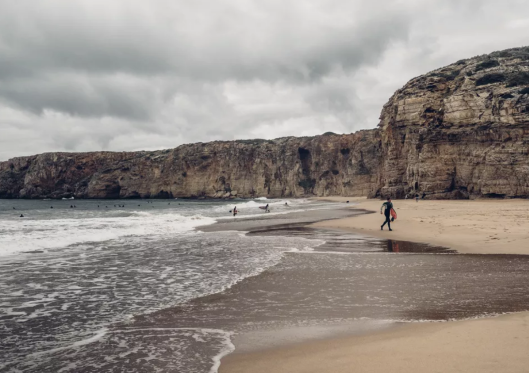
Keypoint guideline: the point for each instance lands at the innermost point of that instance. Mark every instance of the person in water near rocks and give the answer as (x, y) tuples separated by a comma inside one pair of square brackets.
[(386, 207), (235, 211), (266, 208)]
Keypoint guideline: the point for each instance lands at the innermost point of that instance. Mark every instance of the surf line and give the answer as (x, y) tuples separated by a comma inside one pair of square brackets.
[(230, 347), (96, 337)]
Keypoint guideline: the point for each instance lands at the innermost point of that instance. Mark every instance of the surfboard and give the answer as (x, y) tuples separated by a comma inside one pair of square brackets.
[(262, 207), (393, 214)]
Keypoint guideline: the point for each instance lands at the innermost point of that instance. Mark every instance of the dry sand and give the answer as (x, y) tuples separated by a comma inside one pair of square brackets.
[(479, 226), (498, 344)]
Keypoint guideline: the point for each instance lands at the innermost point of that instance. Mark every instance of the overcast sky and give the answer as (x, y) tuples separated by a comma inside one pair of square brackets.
[(132, 75)]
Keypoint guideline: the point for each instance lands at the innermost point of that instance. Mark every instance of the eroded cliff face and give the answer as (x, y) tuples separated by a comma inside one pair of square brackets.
[(461, 131), (321, 165)]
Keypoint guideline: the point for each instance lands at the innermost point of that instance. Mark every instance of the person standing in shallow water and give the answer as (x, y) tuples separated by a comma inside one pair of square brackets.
[(386, 209)]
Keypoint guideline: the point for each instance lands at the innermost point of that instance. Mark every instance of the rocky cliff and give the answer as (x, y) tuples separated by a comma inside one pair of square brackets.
[(461, 131), (321, 165)]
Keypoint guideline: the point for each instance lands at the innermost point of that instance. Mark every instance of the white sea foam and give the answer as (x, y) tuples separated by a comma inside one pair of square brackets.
[(30, 235), (197, 334), (96, 337), (228, 348)]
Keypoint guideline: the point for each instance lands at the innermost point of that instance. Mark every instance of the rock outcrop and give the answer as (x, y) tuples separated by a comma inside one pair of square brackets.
[(461, 131)]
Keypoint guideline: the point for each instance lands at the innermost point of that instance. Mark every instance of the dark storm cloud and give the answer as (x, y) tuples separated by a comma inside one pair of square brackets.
[(125, 75)]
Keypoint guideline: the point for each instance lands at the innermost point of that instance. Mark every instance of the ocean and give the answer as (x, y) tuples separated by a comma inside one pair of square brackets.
[(175, 285), (67, 274)]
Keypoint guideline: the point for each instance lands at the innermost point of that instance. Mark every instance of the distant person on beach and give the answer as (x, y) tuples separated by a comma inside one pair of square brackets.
[(235, 211), (423, 195), (416, 197), (386, 209)]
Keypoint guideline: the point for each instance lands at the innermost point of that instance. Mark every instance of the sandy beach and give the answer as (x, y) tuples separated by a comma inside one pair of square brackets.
[(497, 344), (470, 227), (487, 345)]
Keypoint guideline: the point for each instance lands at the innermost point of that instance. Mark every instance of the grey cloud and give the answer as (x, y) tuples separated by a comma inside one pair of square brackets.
[(126, 75), (229, 43), (65, 55), (85, 96)]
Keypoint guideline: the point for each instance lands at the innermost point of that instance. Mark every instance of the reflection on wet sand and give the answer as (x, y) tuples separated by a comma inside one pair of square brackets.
[(394, 246), (351, 279)]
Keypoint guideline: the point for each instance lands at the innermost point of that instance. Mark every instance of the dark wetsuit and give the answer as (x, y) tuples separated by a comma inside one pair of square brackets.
[(387, 213)]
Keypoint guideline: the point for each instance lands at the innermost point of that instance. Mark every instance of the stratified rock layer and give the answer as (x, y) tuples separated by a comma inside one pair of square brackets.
[(458, 132)]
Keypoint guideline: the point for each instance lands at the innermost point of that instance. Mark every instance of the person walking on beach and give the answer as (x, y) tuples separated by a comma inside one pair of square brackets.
[(386, 208), (416, 197)]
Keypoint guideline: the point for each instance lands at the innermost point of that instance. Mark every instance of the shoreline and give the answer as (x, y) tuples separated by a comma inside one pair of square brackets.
[(489, 344)]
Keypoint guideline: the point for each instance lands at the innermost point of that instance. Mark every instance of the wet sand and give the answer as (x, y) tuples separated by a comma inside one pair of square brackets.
[(497, 344)]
